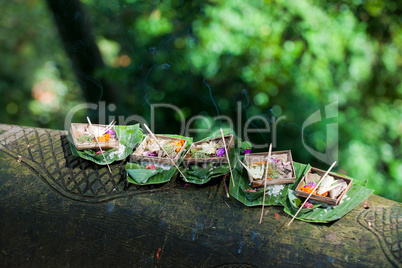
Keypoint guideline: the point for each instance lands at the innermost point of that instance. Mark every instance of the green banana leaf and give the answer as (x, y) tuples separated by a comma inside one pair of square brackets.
[(198, 175), (322, 214), (294, 201), (245, 145), (201, 175), (139, 175), (129, 136), (256, 198)]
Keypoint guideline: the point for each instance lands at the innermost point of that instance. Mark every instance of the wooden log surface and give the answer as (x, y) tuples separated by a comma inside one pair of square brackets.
[(58, 210)]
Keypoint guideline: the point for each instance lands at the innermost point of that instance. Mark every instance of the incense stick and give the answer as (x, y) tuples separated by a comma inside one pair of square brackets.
[(153, 136), (109, 126), (315, 188), (227, 157), (265, 182), (226, 188), (97, 142)]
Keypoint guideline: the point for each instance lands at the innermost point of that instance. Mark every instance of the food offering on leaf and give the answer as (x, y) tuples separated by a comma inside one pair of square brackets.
[(84, 137), (330, 191), (150, 150), (280, 168), (209, 151)]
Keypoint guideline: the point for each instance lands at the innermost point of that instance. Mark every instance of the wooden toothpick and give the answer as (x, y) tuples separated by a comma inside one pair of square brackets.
[(97, 142), (226, 188), (227, 157), (109, 127), (265, 182), (153, 136), (315, 188)]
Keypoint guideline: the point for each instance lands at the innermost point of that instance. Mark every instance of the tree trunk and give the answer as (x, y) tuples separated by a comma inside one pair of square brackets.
[(81, 48), (58, 210)]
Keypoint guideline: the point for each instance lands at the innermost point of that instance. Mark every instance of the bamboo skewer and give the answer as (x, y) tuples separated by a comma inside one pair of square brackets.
[(315, 188), (265, 182), (153, 136), (109, 126), (97, 142), (226, 188), (227, 157)]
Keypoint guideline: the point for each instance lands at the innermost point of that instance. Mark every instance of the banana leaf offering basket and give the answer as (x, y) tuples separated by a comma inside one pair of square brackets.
[(150, 150), (209, 151), (280, 168), (84, 137), (331, 190)]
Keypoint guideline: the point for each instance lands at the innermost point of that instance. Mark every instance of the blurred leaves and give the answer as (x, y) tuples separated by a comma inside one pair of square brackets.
[(36, 80)]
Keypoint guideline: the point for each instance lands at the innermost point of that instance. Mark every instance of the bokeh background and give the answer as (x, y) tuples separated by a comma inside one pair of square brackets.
[(210, 58)]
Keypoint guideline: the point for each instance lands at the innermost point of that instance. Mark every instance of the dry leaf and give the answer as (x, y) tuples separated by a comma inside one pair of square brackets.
[(158, 253)]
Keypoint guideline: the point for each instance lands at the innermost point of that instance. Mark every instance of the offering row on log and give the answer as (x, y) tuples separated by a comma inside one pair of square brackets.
[(166, 151)]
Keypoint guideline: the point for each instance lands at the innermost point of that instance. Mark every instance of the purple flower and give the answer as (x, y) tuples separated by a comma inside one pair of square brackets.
[(247, 151), (148, 153), (110, 132), (311, 184), (220, 152)]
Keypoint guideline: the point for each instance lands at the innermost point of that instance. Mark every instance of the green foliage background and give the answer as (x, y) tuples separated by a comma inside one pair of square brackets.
[(267, 58)]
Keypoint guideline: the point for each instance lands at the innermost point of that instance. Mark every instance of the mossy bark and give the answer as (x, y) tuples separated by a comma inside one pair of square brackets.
[(64, 214)]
